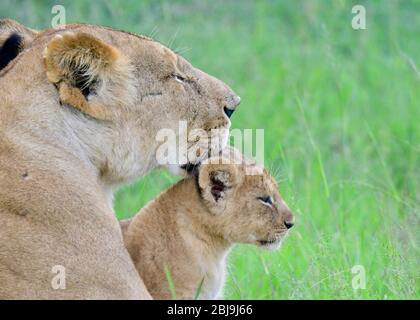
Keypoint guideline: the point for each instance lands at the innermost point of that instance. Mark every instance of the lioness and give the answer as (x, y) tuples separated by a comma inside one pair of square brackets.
[(188, 230), (79, 112)]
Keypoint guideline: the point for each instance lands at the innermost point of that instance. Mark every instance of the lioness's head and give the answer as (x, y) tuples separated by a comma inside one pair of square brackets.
[(140, 90), (243, 202)]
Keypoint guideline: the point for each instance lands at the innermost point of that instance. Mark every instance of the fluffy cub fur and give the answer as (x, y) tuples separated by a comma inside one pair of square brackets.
[(189, 229)]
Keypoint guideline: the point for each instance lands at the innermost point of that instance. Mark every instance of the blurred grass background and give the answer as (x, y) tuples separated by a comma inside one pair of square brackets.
[(341, 112)]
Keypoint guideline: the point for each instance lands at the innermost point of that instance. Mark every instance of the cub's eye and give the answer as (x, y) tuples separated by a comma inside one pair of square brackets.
[(266, 200), (178, 77)]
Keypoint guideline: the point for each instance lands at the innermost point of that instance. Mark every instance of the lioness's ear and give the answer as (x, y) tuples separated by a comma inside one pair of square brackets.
[(14, 38), (75, 63), (10, 49), (216, 179)]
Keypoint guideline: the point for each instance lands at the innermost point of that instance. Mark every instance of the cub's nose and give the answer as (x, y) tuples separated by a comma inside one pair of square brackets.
[(228, 111), (289, 219), (236, 100)]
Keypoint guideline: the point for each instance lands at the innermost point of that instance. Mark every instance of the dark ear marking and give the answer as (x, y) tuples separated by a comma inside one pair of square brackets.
[(216, 179), (82, 80), (217, 191), (217, 188), (10, 49)]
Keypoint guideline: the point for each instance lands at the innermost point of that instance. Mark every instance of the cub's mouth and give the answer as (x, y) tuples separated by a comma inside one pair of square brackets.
[(270, 244)]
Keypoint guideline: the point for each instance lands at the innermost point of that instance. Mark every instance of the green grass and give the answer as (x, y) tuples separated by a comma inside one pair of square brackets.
[(341, 112)]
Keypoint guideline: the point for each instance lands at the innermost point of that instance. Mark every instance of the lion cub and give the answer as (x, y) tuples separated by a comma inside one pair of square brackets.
[(188, 230)]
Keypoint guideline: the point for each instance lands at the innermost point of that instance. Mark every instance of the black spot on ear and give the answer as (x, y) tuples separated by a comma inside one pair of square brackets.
[(10, 49), (82, 80), (217, 189)]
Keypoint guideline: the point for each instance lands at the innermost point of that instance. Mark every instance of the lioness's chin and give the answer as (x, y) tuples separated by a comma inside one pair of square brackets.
[(187, 169), (224, 139)]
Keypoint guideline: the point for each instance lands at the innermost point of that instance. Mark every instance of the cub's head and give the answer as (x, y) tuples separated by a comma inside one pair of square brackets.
[(149, 96), (243, 202)]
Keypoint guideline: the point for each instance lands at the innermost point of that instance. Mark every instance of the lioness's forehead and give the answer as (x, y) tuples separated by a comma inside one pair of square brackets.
[(147, 40), (113, 36), (140, 36)]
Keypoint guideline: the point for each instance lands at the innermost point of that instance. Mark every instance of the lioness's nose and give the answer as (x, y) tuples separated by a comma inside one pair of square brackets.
[(235, 101), (228, 111), (289, 224)]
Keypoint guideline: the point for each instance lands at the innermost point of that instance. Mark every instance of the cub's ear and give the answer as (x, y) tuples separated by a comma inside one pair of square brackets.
[(216, 179), (77, 63)]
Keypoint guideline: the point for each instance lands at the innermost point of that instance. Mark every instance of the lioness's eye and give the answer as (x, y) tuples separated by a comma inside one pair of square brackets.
[(267, 200), (178, 77)]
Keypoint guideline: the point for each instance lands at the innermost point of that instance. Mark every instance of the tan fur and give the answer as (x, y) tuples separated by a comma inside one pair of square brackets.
[(190, 233), (60, 163)]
